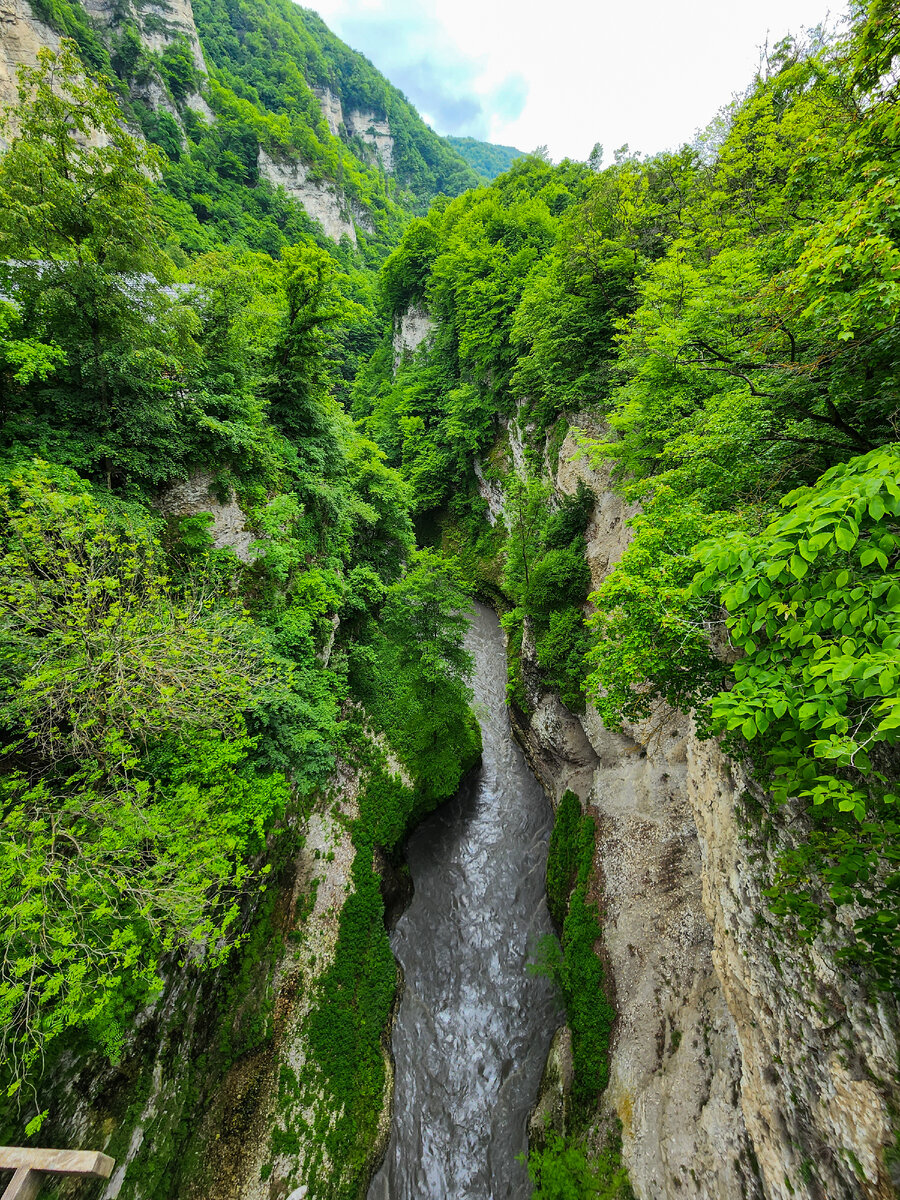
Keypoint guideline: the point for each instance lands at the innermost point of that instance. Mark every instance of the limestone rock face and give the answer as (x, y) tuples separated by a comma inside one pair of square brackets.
[(21, 36), (331, 107), (490, 491), (323, 201), (160, 22), (743, 1066), (674, 1054), (607, 535), (818, 1056), (410, 331), (229, 524), (364, 124)]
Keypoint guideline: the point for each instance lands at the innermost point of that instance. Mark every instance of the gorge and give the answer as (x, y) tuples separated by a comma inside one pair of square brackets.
[(474, 1027), (287, 384)]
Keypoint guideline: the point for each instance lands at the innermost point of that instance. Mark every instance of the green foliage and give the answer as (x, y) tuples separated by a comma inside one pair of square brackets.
[(546, 572), (558, 579), (405, 273), (563, 1171), (178, 69), (561, 652), (568, 521), (652, 631), (467, 263), (589, 1013), (161, 129), (64, 198), (513, 623), (68, 18), (101, 655), (132, 811), (425, 618), (467, 536), (813, 604), (569, 856), (525, 512), (345, 1028), (574, 964), (488, 159), (84, 268), (24, 359)]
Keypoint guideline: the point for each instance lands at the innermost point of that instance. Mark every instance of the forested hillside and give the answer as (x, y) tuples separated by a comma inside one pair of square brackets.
[(176, 699), (242, 99), (729, 312), (181, 702), (487, 159)]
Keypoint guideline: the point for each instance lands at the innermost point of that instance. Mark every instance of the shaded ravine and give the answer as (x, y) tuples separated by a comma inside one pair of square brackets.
[(474, 1026)]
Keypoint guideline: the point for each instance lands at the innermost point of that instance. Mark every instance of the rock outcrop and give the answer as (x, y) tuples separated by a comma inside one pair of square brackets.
[(375, 133), (819, 1054), (332, 109), (743, 1064), (228, 527), (674, 1057), (322, 199), (160, 22), (21, 36), (411, 329)]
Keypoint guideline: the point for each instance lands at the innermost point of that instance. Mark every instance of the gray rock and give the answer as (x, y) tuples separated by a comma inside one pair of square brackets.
[(229, 521)]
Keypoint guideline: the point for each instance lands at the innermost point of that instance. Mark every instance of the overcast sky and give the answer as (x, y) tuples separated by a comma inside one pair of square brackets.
[(569, 73)]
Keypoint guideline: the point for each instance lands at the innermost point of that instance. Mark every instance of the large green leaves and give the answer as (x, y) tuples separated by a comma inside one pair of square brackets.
[(813, 606)]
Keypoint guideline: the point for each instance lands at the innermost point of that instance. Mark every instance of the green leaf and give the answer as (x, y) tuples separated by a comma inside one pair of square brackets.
[(36, 1122), (876, 508), (799, 566)]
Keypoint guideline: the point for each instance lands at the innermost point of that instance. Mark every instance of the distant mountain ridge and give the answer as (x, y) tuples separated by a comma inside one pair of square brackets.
[(487, 158)]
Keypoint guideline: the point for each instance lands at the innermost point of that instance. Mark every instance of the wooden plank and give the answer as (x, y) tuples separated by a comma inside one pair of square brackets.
[(25, 1185), (61, 1162)]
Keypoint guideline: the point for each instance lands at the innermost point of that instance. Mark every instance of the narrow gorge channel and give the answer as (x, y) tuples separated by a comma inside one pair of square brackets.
[(474, 1026)]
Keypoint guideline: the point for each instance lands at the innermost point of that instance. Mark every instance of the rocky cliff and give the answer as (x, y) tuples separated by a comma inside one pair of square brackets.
[(743, 1063), (21, 36), (201, 1098), (324, 124)]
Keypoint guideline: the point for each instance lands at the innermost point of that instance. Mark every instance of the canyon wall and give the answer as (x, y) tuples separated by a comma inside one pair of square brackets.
[(194, 1100), (743, 1063), (22, 34)]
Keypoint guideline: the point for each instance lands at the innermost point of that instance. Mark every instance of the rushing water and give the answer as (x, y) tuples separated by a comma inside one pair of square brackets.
[(474, 1026)]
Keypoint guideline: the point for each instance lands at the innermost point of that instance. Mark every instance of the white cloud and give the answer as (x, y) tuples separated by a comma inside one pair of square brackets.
[(568, 74)]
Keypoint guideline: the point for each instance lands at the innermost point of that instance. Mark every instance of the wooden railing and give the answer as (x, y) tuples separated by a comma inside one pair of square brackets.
[(30, 1167)]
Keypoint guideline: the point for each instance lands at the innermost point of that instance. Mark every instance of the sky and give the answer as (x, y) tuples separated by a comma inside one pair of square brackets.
[(567, 74)]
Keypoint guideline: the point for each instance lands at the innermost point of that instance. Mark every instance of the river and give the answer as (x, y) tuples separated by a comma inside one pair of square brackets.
[(474, 1026)]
